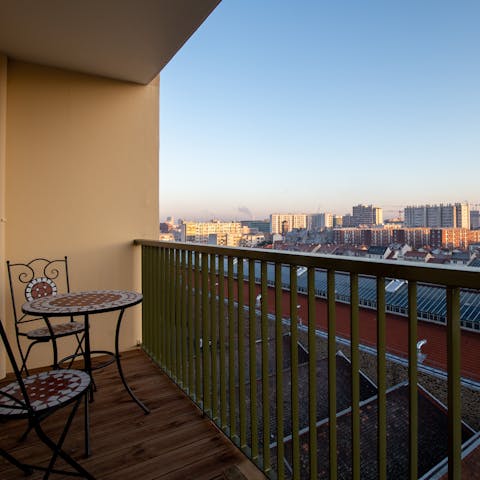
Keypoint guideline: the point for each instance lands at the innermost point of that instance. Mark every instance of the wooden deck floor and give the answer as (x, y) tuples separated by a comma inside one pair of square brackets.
[(173, 442)]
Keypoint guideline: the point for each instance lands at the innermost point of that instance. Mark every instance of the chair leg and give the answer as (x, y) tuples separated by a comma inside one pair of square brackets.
[(25, 433), (57, 447), (26, 469), (87, 426), (78, 351), (25, 358), (55, 353), (80, 341)]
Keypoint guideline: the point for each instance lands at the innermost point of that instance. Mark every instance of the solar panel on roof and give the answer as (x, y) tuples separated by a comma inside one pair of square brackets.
[(395, 285)]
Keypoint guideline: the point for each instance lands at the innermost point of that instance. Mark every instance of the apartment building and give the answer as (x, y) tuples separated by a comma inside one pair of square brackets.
[(212, 233), (453, 237), (282, 223), (347, 221), (415, 237), (252, 239), (415, 216), (259, 225), (462, 215), (367, 215), (337, 221), (353, 236), (320, 220), (438, 216), (474, 219)]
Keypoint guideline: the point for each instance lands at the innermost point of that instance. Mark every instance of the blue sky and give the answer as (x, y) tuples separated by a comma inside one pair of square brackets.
[(314, 106)]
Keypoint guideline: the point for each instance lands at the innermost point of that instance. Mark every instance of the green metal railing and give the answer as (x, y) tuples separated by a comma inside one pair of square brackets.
[(218, 331)]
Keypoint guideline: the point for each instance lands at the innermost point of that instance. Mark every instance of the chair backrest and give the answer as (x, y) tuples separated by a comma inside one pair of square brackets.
[(17, 404), (38, 278)]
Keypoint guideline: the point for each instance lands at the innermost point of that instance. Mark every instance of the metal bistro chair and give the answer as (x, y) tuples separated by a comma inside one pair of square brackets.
[(28, 281), (37, 397)]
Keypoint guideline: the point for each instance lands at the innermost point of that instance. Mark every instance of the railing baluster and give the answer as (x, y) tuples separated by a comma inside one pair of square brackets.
[(205, 336), (412, 379), (294, 373), (168, 332), (231, 351), (241, 357), (214, 329), (252, 336), (163, 307), (198, 312), (332, 374), (279, 371), (454, 390), (156, 287), (355, 359), (221, 327), (265, 392), (184, 300), (312, 373), (173, 333), (147, 292), (178, 318), (191, 326), (381, 380)]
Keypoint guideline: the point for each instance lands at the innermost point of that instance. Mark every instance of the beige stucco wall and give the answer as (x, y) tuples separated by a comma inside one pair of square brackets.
[(3, 130), (81, 181)]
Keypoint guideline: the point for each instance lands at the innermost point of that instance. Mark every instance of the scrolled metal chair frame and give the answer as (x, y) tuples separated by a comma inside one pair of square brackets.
[(23, 408), (24, 274)]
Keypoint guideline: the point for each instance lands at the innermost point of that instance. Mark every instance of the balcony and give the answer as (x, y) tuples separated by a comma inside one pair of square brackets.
[(273, 364), (283, 366), (252, 349)]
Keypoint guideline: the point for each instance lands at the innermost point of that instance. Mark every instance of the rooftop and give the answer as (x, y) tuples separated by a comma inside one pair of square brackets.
[(431, 299), (432, 432), (344, 396)]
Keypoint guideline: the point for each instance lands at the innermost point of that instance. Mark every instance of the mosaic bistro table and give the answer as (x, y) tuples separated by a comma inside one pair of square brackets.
[(86, 304)]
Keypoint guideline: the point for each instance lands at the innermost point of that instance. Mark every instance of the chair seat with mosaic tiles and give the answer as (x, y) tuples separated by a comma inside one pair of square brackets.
[(46, 391), (59, 330)]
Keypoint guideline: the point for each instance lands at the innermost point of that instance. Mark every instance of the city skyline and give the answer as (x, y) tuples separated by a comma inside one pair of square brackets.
[(244, 214), (314, 109)]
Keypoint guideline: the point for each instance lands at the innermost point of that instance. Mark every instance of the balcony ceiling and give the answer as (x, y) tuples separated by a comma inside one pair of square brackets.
[(128, 40)]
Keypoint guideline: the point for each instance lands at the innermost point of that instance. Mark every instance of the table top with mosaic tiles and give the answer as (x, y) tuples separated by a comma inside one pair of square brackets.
[(81, 303)]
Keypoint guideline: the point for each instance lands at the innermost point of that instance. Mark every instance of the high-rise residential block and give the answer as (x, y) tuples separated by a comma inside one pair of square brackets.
[(285, 222), (337, 220), (475, 219), (416, 237), (320, 220), (347, 221), (462, 215), (415, 216), (367, 215), (216, 233), (450, 215), (259, 225), (449, 237)]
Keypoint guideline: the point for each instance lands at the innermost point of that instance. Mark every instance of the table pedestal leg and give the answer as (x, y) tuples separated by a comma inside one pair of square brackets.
[(119, 365), (54, 347)]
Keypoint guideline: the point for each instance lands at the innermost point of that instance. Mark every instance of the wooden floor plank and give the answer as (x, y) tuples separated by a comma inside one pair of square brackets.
[(173, 442)]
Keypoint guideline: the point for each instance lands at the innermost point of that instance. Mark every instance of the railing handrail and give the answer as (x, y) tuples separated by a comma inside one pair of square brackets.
[(447, 275)]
